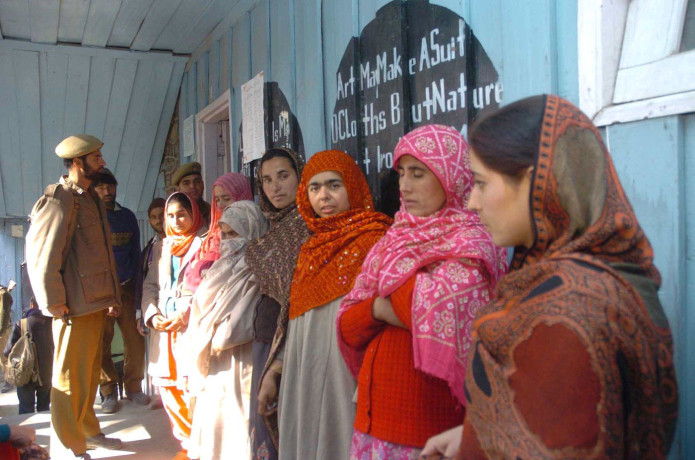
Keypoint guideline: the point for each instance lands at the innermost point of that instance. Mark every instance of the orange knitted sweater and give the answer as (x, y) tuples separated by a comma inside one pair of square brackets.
[(396, 402)]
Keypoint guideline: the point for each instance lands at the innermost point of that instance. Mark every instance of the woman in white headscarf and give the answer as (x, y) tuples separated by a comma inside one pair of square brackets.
[(221, 330)]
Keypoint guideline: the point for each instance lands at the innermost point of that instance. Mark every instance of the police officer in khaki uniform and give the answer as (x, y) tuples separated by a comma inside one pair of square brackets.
[(5, 323), (72, 271)]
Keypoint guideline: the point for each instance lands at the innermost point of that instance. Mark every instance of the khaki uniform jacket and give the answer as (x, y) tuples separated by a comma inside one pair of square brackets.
[(5, 310), (86, 280), (156, 289)]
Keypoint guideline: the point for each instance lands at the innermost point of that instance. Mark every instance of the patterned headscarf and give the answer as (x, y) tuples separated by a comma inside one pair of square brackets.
[(238, 187), (180, 242), (589, 283), (273, 257), (432, 248), (331, 258)]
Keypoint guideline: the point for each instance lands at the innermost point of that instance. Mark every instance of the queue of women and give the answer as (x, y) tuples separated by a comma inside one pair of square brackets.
[(311, 326)]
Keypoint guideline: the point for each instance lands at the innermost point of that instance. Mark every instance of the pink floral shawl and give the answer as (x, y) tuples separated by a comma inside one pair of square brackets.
[(453, 256)]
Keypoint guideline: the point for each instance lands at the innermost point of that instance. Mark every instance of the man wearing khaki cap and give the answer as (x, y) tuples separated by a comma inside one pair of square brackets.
[(189, 180), (71, 267)]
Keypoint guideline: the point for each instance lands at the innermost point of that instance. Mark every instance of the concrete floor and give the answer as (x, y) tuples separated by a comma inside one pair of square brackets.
[(146, 433)]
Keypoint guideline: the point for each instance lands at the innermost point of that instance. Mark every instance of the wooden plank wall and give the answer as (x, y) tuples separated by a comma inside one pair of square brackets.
[(48, 92), (686, 345), (299, 44), (664, 209), (533, 45)]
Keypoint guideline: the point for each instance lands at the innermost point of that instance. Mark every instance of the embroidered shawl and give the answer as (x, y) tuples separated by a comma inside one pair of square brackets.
[(273, 258), (332, 257), (580, 308)]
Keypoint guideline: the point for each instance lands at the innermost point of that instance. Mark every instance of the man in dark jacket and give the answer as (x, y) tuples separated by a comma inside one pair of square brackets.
[(35, 395), (125, 235)]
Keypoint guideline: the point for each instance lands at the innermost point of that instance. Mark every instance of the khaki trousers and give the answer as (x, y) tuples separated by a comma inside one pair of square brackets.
[(133, 347), (76, 369)]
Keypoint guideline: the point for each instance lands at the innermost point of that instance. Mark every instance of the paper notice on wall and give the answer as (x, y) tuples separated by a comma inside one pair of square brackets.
[(189, 137), (253, 125)]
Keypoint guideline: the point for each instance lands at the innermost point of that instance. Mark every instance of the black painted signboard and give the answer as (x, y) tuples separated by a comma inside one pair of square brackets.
[(414, 64)]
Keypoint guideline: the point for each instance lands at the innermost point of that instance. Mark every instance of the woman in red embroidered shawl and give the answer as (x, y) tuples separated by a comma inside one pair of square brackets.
[(576, 348), (404, 328), (316, 391)]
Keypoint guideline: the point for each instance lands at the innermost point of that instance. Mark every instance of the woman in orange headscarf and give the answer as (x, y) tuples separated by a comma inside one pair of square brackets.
[(315, 406), (166, 307)]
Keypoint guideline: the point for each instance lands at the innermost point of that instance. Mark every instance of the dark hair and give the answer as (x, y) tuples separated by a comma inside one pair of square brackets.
[(390, 197), (182, 199), (277, 153), (105, 178), (156, 203), (67, 162), (507, 140)]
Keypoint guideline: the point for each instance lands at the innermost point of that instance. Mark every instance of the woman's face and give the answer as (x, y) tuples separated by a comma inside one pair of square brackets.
[(502, 202), (327, 194), (280, 181), (421, 193), (222, 198), (179, 218), (227, 232)]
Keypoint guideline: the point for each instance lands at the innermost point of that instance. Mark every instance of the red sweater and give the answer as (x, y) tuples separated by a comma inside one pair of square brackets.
[(396, 402)]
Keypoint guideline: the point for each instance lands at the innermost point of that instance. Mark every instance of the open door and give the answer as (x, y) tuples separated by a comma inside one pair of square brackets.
[(213, 141)]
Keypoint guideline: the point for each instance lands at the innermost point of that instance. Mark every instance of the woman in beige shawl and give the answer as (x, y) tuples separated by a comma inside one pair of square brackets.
[(221, 331)]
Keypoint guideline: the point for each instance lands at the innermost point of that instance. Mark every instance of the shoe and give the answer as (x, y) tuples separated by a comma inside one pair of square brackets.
[(181, 455), (155, 402), (110, 404), (84, 456), (139, 398), (101, 441), (6, 387)]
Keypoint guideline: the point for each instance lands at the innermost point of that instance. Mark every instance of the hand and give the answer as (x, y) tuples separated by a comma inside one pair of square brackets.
[(142, 329), (444, 444), (114, 311), (382, 310), (22, 435), (178, 322), (159, 322), (268, 391), (58, 311)]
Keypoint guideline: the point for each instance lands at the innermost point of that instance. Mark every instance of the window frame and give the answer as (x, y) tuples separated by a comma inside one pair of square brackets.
[(630, 64)]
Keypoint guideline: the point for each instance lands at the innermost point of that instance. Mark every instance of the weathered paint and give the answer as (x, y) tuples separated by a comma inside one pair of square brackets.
[(656, 190), (686, 322)]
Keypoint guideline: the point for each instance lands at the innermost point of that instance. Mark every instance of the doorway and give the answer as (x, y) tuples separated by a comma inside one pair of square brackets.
[(214, 139)]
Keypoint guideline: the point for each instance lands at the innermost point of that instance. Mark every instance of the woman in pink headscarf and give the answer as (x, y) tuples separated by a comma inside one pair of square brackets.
[(227, 189), (404, 329)]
